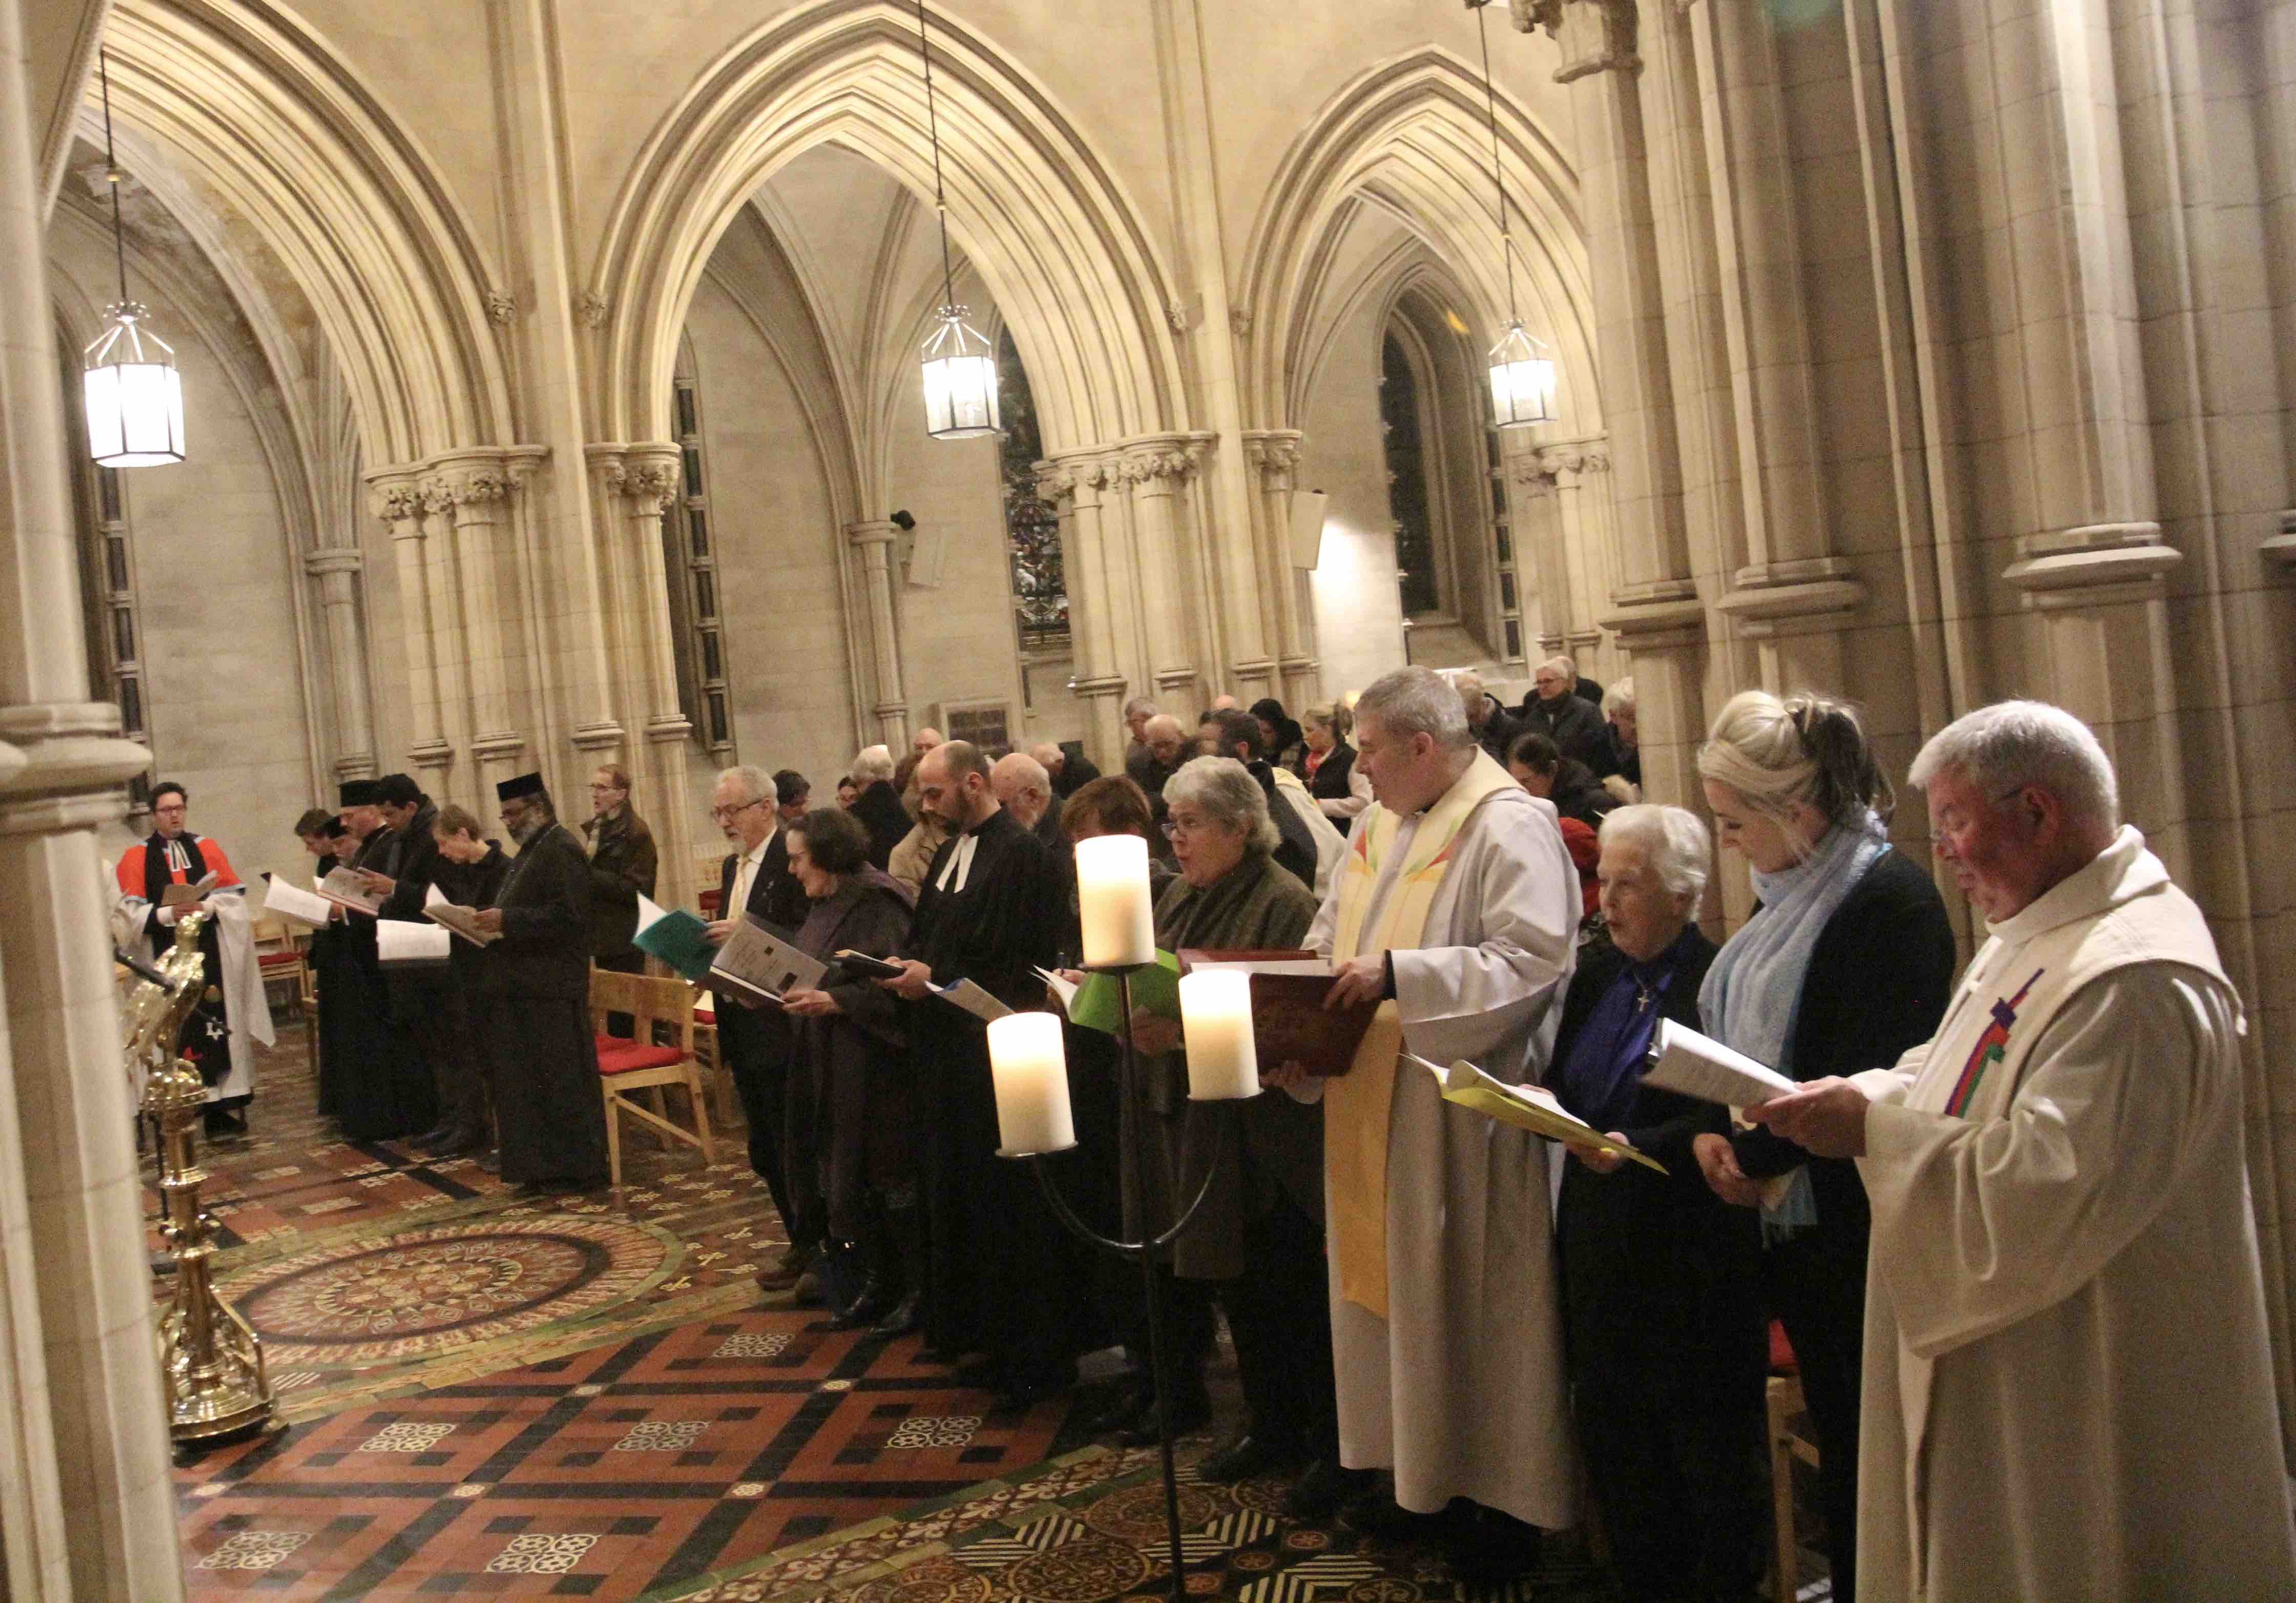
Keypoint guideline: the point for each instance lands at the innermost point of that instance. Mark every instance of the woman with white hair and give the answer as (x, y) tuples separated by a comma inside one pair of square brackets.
[(1847, 962), (1662, 1289)]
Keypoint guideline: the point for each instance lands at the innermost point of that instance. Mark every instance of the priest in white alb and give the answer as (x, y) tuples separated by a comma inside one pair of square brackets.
[(1457, 906), (2068, 1380)]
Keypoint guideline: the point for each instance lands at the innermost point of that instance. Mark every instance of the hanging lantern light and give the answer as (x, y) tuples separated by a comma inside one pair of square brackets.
[(1522, 377), (133, 392), (959, 366), (960, 379), (1522, 381)]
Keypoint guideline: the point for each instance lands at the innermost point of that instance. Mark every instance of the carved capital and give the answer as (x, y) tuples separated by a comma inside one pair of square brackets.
[(1596, 36), (1274, 452), (1056, 482), (398, 504), (590, 309), (1575, 456), (501, 307), (649, 483), (1239, 323), (332, 559)]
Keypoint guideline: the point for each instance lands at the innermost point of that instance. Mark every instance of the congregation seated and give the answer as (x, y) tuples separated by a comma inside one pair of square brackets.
[(1565, 781)]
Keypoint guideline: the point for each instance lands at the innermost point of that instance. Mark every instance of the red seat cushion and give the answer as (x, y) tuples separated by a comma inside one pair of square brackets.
[(278, 959), (1782, 1354), (627, 1055)]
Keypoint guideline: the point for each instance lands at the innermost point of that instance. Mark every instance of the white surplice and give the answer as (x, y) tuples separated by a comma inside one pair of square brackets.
[(1461, 1391), (2068, 1384)]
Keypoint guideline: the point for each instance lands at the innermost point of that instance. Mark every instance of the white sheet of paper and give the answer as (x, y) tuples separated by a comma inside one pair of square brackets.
[(433, 896), (1060, 988), (396, 941), (288, 899), (966, 994), (649, 911), (1692, 1064)]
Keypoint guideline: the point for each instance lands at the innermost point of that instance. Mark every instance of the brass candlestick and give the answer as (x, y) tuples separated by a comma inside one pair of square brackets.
[(211, 1364)]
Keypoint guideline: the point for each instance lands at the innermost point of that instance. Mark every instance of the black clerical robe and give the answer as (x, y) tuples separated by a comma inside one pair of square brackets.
[(371, 1076), (1004, 1273), (537, 985)]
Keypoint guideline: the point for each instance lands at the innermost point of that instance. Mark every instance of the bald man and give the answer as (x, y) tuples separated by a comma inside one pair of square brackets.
[(1025, 790), (1226, 703), (1071, 769), (927, 739)]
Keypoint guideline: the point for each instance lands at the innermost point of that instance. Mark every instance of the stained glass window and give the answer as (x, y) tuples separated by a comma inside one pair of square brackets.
[(1406, 482), (1032, 528)]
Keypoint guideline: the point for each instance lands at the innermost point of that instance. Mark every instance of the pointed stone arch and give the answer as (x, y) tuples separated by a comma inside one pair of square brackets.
[(276, 120), (1036, 210), (1411, 137)]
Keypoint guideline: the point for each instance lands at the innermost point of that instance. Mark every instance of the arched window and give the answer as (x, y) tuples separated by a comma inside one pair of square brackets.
[(1032, 528), (690, 562)]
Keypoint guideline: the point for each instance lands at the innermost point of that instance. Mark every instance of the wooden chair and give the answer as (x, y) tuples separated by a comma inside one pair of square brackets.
[(658, 1052), (1790, 1439), (282, 956)]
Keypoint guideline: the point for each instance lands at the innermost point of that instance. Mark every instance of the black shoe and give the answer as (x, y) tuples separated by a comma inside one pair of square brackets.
[(1023, 1395), (219, 1122), (1245, 1459), (1378, 1516), (1487, 1548), (902, 1318), (1192, 1411), (490, 1164), (431, 1140), (1121, 1415), (1323, 1489), (866, 1308)]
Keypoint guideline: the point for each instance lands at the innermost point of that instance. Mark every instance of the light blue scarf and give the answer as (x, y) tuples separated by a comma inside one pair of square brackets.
[(1753, 991)]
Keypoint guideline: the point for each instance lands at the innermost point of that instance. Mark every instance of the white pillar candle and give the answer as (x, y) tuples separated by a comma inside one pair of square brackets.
[(1031, 1068), (1113, 900), (1216, 1017)]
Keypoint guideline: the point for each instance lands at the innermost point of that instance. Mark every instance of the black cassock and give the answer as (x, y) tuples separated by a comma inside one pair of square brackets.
[(536, 988), (370, 1075), (1004, 1274)]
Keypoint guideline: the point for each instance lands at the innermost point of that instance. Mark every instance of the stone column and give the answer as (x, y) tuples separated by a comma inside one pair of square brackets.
[(1274, 453), (87, 1511), (1074, 485), (476, 487), (397, 498), (639, 482), (1580, 471), (1155, 473), (874, 539), (337, 568)]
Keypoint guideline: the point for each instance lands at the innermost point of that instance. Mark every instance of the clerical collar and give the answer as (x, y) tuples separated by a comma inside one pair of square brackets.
[(955, 872)]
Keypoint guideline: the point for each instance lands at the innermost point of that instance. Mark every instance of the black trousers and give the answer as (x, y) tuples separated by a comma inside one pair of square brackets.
[(461, 1067), (1279, 1312), (759, 1063), (1816, 1285)]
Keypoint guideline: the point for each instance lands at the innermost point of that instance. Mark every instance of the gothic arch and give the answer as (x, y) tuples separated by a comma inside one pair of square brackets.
[(1411, 137), (1035, 210), (271, 116)]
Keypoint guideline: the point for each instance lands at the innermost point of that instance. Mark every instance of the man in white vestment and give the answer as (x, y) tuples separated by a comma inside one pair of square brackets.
[(1456, 904), (2068, 1382)]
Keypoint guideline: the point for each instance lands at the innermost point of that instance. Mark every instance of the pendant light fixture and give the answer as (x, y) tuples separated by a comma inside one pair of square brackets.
[(135, 396), (1522, 376), (960, 367)]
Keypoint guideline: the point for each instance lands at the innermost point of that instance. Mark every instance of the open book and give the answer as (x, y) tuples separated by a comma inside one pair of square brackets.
[(1530, 1107), (342, 887), (185, 896), (398, 944), (1692, 1064), (676, 937), (1098, 1003), (1289, 1021), (288, 899), (463, 921), (757, 965)]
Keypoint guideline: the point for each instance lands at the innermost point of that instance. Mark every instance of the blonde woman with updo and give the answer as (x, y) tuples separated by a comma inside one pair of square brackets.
[(1847, 962)]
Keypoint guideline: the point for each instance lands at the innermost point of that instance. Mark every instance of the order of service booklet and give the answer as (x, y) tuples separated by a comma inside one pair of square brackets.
[(1531, 1107)]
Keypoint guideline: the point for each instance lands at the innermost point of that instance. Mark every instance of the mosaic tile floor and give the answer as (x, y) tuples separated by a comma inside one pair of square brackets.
[(492, 1396)]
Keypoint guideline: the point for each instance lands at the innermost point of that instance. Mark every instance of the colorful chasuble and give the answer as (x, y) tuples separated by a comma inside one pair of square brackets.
[(1358, 1104), (1991, 1046)]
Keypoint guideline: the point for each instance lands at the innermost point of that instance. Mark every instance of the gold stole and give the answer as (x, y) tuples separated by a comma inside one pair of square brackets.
[(1358, 1104)]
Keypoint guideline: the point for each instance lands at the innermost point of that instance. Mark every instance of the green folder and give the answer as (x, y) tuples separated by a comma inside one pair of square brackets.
[(676, 937), (1100, 1004)]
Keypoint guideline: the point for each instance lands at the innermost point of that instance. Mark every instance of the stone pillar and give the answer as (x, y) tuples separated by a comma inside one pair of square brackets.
[(1075, 486), (874, 539), (398, 499), (1580, 470), (476, 487), (86, 1510), (1156, 472), (638, 482), (337, 568), (1274, 453)]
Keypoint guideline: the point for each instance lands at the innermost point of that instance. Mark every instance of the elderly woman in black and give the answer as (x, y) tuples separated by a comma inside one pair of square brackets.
[(849, 1040), (1661, 1294), (1258, 1242)]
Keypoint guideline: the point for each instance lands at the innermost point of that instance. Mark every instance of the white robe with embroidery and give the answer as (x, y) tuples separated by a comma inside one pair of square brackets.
[(1461, 1391), (2079, 1277)]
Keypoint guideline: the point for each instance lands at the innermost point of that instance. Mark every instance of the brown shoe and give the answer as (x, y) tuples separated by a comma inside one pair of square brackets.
[(779, 1277)]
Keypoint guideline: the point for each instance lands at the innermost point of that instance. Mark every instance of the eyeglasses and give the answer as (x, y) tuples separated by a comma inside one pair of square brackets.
[(726, 814), (1174, 828)]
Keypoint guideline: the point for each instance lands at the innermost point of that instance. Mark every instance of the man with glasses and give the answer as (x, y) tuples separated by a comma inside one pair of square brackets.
[(623, 865), (757, 1042), (535, 998)]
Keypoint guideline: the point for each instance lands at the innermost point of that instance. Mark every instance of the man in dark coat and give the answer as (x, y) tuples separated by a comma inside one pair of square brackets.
[(379, 1082), (1071, 769), (1494, 728), (536, 986), (403, 873), (1004, 1273), (879, 805), (622, 868), (469, 873), (1574, 724), (755, 879)]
